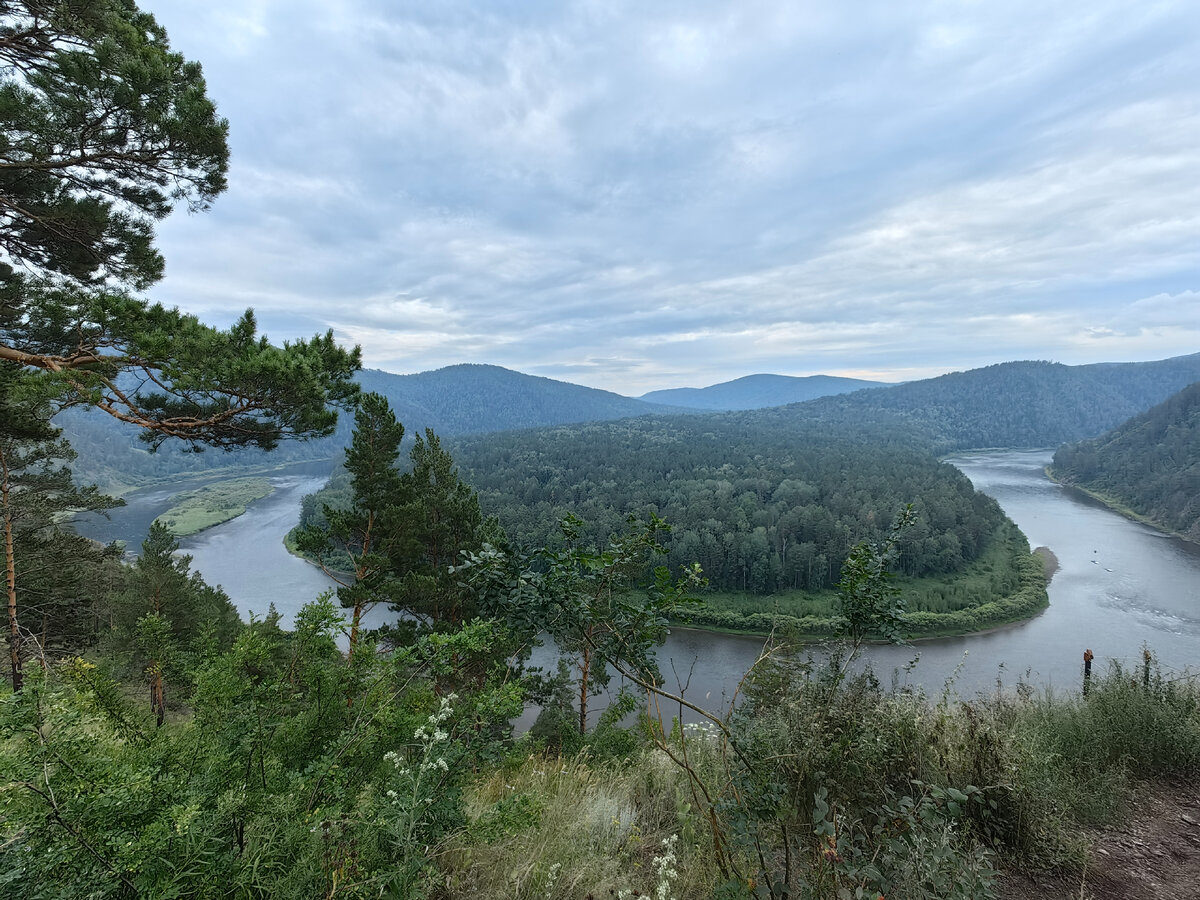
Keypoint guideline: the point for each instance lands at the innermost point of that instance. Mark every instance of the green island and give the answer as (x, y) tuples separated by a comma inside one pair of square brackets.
[(194, 511)]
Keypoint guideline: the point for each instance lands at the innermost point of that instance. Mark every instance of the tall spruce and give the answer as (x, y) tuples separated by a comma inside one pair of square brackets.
[(445, 521), (358, 546)]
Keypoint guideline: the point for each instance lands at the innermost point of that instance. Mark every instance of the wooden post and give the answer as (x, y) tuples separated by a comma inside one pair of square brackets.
[(1087, 670)]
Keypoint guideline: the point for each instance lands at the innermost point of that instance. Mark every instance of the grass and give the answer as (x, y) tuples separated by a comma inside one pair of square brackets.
[(197, 510), (832, 783), (546, 826)]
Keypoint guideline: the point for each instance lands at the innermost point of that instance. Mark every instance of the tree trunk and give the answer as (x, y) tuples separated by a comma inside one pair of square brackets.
[(157, 703), (358, 608), (10, 579), (584, 668)]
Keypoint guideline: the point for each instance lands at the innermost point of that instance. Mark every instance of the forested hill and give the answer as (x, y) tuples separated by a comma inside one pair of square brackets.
[(1149, 464), (463, 399), (1016, 404), (472, 399), (759, 392)]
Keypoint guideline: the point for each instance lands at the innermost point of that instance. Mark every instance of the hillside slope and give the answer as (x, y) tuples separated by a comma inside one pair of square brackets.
[(1149, 464), (475, 399), (1015, 404), (759, 392)]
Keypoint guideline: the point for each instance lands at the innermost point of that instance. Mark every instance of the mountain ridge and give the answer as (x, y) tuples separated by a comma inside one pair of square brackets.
[(1023, 403), (1020, 404), (759, 391)]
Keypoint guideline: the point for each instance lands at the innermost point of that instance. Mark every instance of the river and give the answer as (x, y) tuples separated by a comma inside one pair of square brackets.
[(1120, 585)]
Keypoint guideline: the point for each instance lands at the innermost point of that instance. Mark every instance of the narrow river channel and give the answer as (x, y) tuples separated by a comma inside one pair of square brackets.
[(1120, 586)]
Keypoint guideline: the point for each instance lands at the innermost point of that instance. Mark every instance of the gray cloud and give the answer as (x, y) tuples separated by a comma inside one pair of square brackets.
[(642, 197)]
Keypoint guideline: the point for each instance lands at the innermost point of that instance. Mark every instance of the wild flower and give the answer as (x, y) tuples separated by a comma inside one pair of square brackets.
[(664, 869), (551, 877)]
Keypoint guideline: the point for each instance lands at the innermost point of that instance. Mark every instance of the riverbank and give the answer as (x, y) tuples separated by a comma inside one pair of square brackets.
[(123, 486), (1005, 586), (1118, 507)]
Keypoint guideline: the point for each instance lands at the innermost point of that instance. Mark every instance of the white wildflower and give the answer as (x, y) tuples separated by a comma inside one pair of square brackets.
[(551, 877), (664, 868)]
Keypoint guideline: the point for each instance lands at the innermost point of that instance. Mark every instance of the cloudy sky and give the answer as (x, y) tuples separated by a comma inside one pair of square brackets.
[(645, 195)]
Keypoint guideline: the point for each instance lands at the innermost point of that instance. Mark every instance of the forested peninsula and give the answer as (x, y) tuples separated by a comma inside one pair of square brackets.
[(1149, 466), (767, 513)]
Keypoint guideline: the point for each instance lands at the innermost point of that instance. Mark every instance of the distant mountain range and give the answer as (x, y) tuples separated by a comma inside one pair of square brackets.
[(1019, 404), (1015, 404), (759, 391), (475, 399), (456, 400), (1149, 464)]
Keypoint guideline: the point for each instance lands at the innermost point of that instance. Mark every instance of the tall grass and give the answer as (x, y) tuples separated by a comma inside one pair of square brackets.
[(828, 785), (546, 827)]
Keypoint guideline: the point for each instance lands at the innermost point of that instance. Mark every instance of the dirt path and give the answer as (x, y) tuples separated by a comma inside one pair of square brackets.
[(1153, 856)]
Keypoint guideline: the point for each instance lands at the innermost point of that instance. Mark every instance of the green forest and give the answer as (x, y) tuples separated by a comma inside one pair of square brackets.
[(767, 514), (1148, 466), (155, 745)]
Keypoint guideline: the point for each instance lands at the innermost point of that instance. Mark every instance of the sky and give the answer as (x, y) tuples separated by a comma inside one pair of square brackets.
[(635, 196)]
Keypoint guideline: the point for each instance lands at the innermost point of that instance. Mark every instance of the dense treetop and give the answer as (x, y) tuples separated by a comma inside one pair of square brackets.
[(758, 505)]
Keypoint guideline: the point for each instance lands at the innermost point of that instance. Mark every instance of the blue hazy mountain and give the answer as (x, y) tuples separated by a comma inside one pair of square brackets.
[(759, 391)]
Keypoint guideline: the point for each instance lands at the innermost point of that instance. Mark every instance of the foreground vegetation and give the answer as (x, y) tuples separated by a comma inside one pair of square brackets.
[(293, 772), (194, 511)]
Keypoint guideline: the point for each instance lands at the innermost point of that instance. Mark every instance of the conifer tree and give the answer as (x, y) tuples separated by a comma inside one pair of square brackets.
[(357, 546), (36, 492), (445, 521), (106, 130), (166, 612)]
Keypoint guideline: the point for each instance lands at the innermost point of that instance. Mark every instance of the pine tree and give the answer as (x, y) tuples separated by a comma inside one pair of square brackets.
[(41, 559), (105, 131)]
